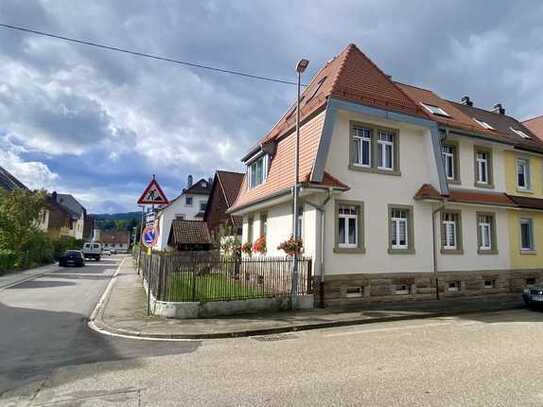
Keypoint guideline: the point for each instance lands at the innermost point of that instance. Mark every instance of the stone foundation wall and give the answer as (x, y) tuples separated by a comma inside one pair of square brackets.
[(348, 289)]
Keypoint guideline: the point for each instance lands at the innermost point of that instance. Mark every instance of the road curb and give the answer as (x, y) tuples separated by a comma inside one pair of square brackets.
[(99, 325)]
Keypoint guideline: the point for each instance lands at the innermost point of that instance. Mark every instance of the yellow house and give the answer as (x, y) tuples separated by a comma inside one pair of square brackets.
[(524, 183)]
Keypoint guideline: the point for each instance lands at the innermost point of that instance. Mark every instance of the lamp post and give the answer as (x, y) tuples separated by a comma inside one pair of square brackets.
[(300, 68)]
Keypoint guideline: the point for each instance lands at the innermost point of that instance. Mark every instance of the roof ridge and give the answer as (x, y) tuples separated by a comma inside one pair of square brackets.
[(533, 118), (346, 51)]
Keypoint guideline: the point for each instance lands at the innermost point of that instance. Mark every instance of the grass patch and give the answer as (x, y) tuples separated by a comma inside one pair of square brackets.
[(211, 287)]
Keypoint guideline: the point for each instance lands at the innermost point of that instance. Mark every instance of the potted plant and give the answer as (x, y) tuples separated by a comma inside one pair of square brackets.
[(247, 248), (292, 246), (259, 245)]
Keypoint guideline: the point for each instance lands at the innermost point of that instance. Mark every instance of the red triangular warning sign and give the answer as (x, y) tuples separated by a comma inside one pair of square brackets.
[(153, 195)]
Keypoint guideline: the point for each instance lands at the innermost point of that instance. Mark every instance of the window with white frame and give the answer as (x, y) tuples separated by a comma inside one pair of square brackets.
[(362, 146), (258, 171), (300, 220), (188, 201), (449, 161), (489, 283), (385, 151), (347, 226), (520, 133), (203, 205), (485, 224), (450, 230), (484, 124), (455, 286), (526, 234), (402, 289), (482, 167), (523, 173), (399, 228), (435, 110)]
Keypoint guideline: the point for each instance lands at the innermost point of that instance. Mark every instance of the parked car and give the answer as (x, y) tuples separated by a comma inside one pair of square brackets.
[(92, 250), (72, 258), (113, 251), (533, 296), (106, 252)]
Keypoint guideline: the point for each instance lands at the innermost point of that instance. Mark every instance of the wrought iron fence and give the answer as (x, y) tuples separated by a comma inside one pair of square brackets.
[(206, 278)]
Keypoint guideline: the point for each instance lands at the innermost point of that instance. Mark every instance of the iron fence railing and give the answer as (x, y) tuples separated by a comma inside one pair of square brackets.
[(206, 278)]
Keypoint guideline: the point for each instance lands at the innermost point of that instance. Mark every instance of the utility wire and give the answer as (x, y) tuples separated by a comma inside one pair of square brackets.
[(146, 55)]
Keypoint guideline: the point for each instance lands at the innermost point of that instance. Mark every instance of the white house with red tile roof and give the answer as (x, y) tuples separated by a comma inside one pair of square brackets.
[(378, 180)]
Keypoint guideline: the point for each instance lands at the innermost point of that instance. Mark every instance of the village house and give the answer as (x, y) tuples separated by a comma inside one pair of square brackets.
[(224, 191), (117, 240), (404, 194), (189, 205)]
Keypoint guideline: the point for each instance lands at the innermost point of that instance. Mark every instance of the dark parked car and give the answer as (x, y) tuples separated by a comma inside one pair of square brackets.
[(72, 258), (533, 296)]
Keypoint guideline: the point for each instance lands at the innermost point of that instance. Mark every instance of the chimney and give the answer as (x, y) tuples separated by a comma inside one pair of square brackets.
[(466, 101), (210, 181), (189, 181), (499, 109)]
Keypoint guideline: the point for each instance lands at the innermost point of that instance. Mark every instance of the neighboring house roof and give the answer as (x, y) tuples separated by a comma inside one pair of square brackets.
[(535, 125), (427, 191), (227, 184), (8, 182), (461, 118), (189, 232), (201, 187), (115, 237), (72, 204)]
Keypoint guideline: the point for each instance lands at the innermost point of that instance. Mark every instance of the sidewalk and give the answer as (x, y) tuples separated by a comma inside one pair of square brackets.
[(16, 277), (123, 312)]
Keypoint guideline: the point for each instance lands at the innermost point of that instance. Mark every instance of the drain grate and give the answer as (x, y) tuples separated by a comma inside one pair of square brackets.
[(274, 338)]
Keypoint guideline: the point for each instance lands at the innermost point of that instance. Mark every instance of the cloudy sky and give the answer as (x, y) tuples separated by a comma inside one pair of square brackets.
[(98, 124)]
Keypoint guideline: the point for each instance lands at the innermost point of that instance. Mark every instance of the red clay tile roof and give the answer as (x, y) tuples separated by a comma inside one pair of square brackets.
[(535, 125), (230, 183), (461, 117), (327, 181), (427, 191), (527, 202), (115, 237), (189, 232)]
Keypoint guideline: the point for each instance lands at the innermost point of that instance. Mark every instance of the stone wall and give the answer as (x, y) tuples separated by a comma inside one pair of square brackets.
[(393, 287)]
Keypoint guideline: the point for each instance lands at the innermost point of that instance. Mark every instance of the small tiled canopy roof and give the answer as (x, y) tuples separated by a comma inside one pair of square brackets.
[(427, 191), (527, 202), (535, 125), (189, 232)]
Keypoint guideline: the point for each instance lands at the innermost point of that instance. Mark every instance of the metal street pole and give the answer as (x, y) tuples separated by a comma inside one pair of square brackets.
[(300, 68)]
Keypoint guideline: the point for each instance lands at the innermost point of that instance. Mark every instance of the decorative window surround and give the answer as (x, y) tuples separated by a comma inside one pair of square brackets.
[(451, 232), (486, 233), (257, 170), (384, 149), (349, 214), (483, 169), (527, 245), (401, 239)]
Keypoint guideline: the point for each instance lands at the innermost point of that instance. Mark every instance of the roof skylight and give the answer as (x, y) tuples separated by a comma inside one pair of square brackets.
[(520, 133), (435, 110), (484, 125)]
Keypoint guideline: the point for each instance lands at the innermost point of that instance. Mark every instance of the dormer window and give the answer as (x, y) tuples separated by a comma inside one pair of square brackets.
[(258, 171), (483, 124), (435, 110), (520, 133)]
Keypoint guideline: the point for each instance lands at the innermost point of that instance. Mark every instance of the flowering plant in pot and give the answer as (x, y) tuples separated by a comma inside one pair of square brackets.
[(259, 245), (292, 246), (247, 248)]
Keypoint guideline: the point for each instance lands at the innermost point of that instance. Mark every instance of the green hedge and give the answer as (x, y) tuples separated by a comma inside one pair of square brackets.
[(8, 259)]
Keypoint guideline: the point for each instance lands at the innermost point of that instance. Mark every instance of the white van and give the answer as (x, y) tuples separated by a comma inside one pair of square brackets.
[(92, 250)]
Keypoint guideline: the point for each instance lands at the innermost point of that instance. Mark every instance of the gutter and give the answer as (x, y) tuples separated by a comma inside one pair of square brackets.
[(434, 246)]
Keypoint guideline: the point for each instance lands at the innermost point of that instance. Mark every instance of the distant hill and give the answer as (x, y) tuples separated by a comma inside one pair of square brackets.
[(117, 221)]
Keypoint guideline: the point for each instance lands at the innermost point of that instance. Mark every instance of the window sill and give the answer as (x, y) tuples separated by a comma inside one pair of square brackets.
[(491, 251), (452, 251), (350, 250), (486, 186), (401, 251), (525, 190), (454, 181), (528, 252), (374, 170)]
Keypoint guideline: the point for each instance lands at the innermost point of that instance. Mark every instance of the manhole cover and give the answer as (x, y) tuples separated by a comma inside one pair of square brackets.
[(273, 338)]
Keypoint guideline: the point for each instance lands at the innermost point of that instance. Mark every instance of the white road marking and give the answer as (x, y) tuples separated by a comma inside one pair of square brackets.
[(402, 328)]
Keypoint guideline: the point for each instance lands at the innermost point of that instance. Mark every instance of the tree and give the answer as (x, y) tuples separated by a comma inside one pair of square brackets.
[(20, 211)]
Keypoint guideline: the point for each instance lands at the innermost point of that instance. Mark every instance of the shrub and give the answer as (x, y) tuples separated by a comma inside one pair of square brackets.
[(8, 259), (259, 245)]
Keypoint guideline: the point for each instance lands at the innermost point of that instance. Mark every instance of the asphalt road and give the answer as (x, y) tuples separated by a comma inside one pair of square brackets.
[(475, 360), (43, 325)]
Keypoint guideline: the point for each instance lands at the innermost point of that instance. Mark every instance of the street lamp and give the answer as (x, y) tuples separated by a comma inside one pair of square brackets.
[(300, 68)]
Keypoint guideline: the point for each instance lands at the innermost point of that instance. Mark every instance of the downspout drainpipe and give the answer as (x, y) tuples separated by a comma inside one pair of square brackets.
[(322, 211), (434, 246)]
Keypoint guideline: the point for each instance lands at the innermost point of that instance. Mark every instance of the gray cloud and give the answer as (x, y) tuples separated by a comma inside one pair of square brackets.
[(60, 98)]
